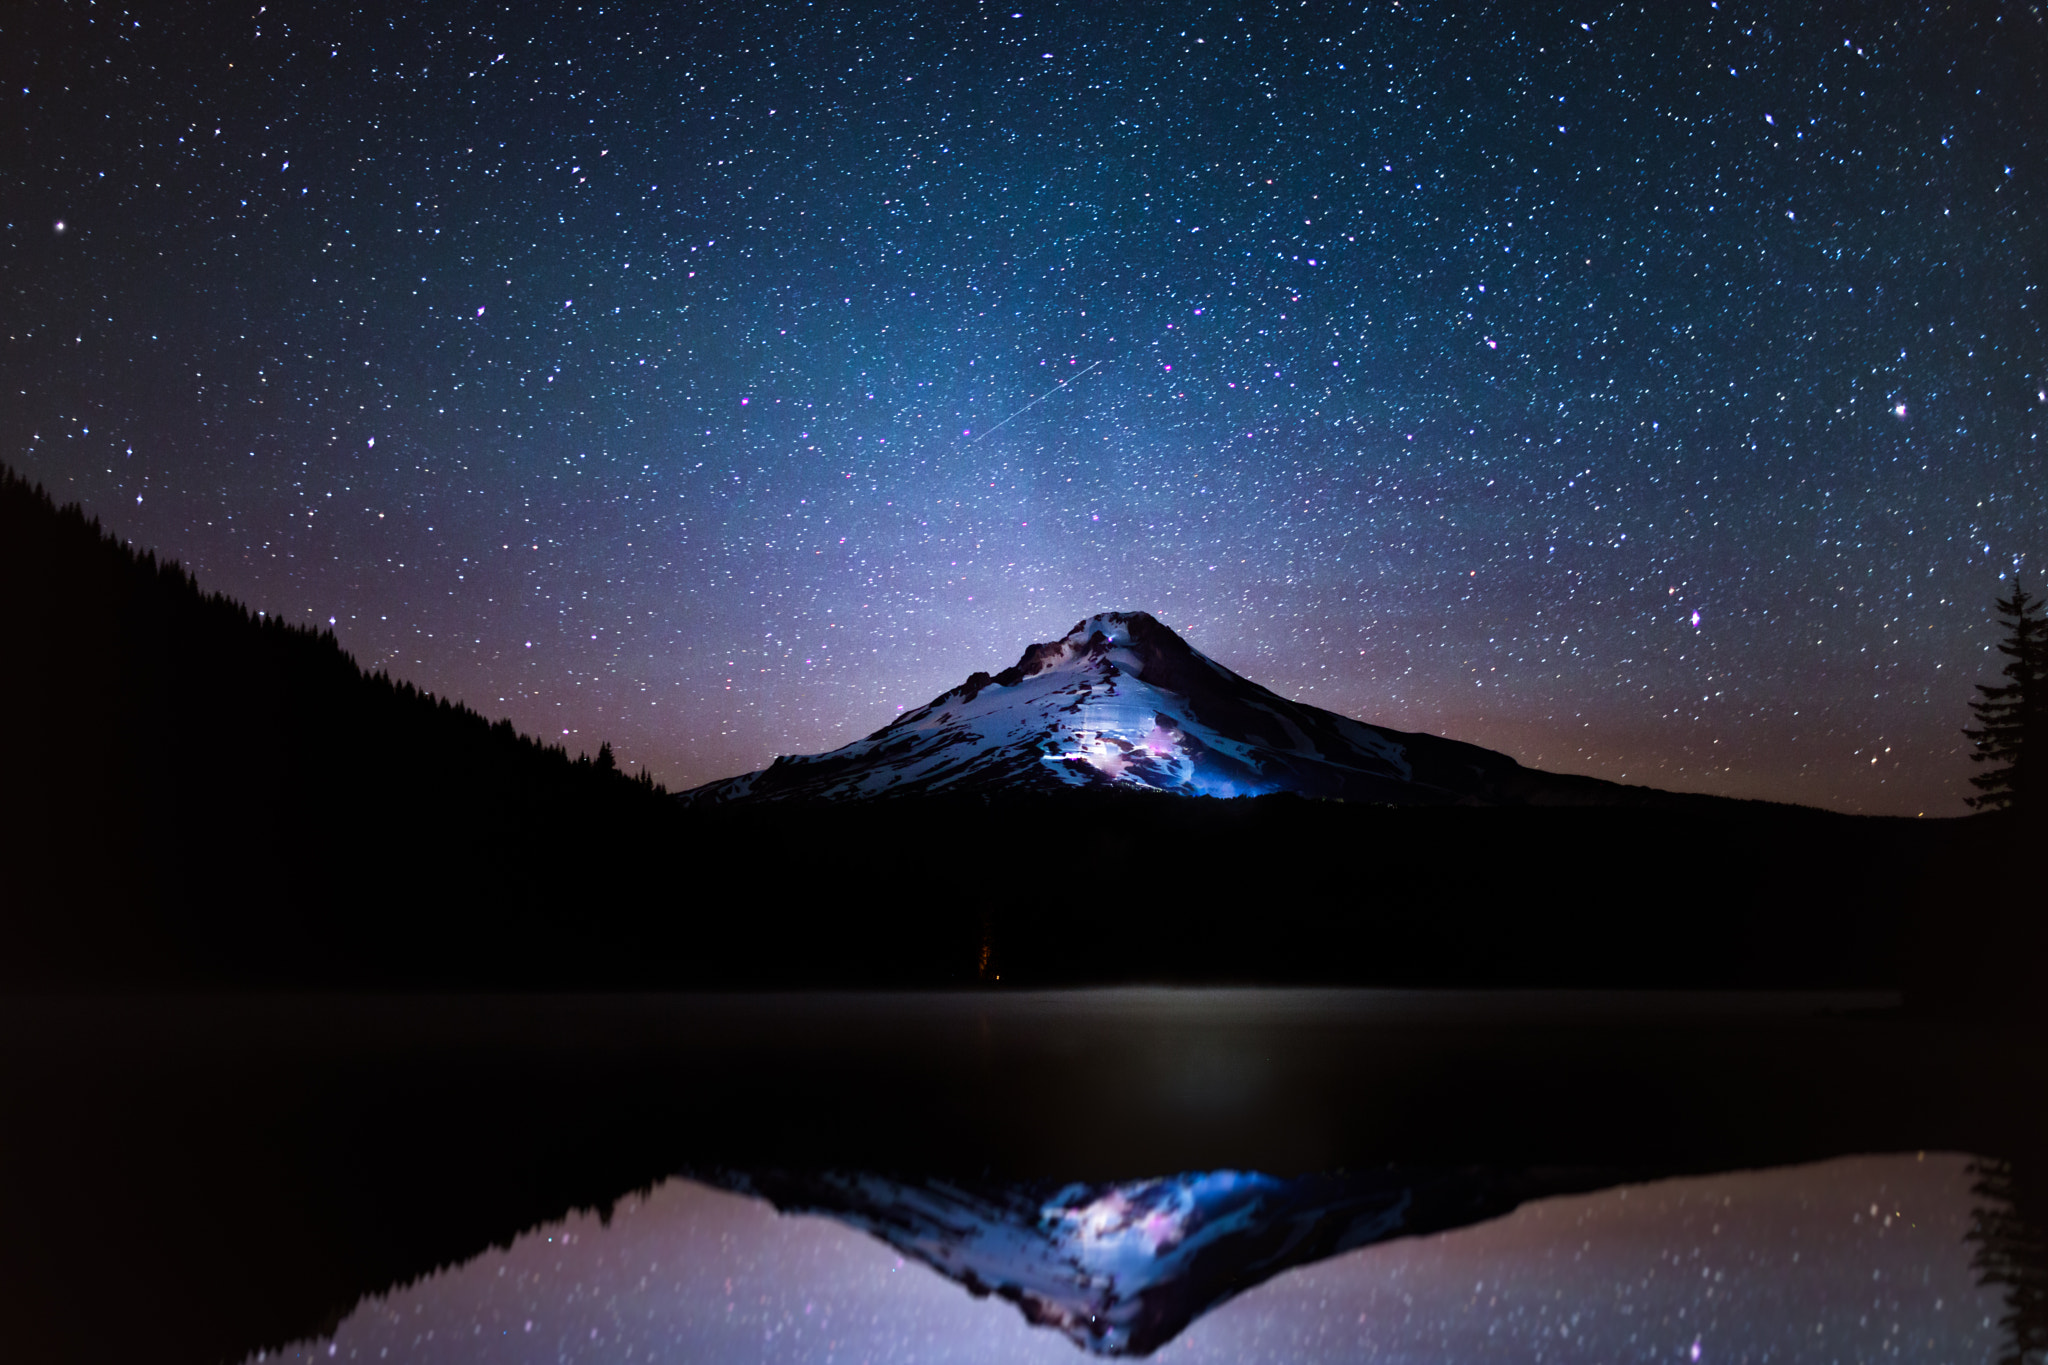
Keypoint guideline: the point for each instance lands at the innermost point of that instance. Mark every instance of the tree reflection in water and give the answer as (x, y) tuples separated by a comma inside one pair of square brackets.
[(2011, 1238)]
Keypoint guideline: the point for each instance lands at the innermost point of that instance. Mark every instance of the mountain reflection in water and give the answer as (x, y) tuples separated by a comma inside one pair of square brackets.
[(1861, 1258)]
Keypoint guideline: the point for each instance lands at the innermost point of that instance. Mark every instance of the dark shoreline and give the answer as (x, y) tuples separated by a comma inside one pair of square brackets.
[(1071, 890)]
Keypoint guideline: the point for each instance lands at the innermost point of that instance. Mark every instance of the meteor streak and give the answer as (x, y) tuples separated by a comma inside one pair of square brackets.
[(1032, 404)]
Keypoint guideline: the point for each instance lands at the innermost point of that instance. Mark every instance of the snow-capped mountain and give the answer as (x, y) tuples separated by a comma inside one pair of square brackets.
[(1122, 701), (1120, 1269)]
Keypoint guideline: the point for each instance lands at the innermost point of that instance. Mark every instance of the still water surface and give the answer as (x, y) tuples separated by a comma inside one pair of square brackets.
[(1445, 1177), (1855, 1259)]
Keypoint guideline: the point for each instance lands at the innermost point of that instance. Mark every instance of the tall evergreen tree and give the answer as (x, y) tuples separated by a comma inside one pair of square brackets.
[(2012, 718)]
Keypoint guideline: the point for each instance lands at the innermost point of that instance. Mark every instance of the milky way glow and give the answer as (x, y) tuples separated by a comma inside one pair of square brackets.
[(1433, 364)]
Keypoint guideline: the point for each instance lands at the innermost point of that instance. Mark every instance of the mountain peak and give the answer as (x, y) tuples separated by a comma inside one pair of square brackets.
[(1123, 627), (1122, 701), (1121, 1269), (1124, 641)]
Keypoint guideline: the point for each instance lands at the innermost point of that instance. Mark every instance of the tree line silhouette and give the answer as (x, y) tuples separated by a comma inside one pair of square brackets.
[(2011, 732), (195, 781), (2009, 1234)]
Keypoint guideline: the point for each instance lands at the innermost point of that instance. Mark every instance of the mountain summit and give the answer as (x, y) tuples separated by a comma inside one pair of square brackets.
[(1121, 1269), (1122, 701)]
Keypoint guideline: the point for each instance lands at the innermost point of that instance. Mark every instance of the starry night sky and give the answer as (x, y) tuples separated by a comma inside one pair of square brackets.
[(1651, 391)]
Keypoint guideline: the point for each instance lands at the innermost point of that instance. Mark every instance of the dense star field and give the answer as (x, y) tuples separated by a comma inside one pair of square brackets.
[(1651, 391)]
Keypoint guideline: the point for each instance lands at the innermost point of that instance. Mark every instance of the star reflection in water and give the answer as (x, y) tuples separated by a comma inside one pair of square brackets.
[(1861, 1258)]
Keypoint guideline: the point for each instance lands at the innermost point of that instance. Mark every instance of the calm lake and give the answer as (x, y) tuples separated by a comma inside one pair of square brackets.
[(1191, 1174)]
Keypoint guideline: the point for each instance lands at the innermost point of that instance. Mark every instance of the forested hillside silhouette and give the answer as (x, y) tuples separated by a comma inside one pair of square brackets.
[(194, 784)]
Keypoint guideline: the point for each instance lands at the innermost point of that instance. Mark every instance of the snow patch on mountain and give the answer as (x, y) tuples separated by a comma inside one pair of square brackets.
[(1118, 1269), (1121, 1267), (1121, 701)]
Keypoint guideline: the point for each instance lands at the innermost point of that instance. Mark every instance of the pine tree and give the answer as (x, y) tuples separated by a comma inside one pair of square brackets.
[(2012, 719)]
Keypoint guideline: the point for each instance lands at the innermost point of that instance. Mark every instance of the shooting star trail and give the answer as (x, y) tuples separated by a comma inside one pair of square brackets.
[(1028, 406)]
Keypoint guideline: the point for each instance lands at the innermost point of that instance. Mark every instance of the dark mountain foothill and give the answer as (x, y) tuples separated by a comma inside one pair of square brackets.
[(195, 794)]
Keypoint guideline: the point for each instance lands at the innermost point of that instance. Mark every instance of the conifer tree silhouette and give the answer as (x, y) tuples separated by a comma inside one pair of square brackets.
[(2012, 1254), (2012, 718)]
